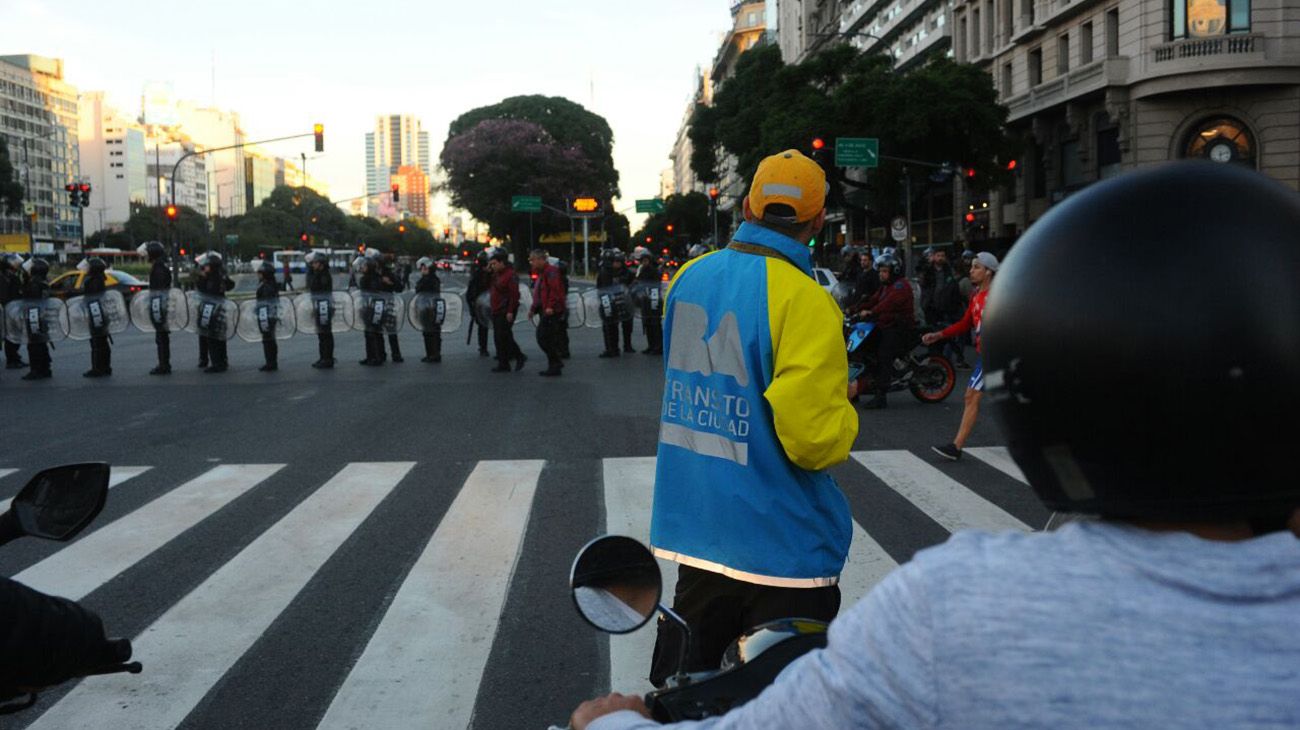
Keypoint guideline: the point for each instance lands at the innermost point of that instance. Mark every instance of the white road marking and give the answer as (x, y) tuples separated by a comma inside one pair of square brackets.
[(868, 563), (999, 458), (6, 472), (96, 558), (423, 666), (945, 500), (190, 647)]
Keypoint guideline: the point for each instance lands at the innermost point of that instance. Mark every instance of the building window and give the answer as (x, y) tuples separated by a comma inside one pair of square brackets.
[(960, 41), (1208, 18), (1006, 79), (1222, 139), (1071, 167), (1063, 55), (1035, 67), (1112, 32), (1027, 11), (1085, 43), (1040, 172), (1108, 154), (975, 36), (990, 22)]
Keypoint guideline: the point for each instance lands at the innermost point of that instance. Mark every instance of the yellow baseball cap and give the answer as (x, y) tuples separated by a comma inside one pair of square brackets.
[(790, 178)]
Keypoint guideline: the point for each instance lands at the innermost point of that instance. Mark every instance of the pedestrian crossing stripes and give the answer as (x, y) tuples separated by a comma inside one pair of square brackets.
[(422, 662)]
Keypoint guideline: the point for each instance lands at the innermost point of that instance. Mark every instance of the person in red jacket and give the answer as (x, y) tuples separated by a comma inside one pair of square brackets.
[(982, 269), (548, 305), (890, 307), (505, 304)]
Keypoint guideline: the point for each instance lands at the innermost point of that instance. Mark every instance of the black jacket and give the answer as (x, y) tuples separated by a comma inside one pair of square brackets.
[(160, 276), (372, 281), (268, 289), (941, 298), (11, 285), (429, 284), (46, 640), (35, 288), (647, 272), (867, 283), (95, 284), (392, 281), (215, 283), (606, 277), (320, 281)]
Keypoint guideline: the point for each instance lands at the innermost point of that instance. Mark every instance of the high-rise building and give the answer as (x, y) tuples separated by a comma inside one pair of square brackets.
[(414, 186), (909, 30), (749, 29), (39, 121), (192, 188), (259, 176), (397, 140), (210, 128), (112, 150)]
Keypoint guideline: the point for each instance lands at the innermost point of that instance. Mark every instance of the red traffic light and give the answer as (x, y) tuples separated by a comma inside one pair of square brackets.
[(396, 194), (970, 217), (401, 229), (714, 193), (670, 228), (970, 173), (665, 252), (261, 254), (649, 239), (818, 143), (1011, 165), (84, 187), (70, 187), (303, 237), (182, 252)]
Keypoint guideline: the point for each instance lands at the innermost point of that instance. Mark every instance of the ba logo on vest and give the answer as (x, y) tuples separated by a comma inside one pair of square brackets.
[(702, 412)]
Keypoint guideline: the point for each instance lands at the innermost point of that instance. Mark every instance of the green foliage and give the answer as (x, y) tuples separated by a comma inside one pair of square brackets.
[(691, 219), (940, 112), (11, 192)]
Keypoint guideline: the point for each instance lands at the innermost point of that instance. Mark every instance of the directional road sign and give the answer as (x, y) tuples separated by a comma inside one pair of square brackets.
[(650, 205), (526, 204), (857, 152)]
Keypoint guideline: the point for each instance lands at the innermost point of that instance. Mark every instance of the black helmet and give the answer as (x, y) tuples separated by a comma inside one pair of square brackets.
[(610, 255), (267, 269), (481, 257), (1127, 383), (316, 257), (36, 268), (13, 261), (97, 265)]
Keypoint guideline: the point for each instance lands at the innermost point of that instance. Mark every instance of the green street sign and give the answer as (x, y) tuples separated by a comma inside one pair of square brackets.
[(857, 152), (650, 205), (526, 204), (232, 239)]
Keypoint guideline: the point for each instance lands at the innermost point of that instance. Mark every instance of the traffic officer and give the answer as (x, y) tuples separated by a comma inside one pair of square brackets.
[(11, 288), (268, 295), (431, 285), (321, 282), (613, 273), (38, 348), (392, 282), (160, 280), (549, 306), (647, 273), (101, 354)]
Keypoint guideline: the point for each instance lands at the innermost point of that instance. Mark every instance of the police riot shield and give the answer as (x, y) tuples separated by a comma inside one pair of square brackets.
[(482, 307), (160, 310), (33, 321), (648, 298), (211, 316), (376, 311), (318, 312), (97, 315), (429, 312), (275, 316), (605, 303), (577, 311), (525, 301)]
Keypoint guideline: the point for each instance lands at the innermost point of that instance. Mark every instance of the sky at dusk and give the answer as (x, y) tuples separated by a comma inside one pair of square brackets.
[(285, 65)]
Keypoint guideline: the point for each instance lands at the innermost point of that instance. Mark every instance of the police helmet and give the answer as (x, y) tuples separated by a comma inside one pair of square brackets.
[(36, 268), (641, 252), (83, 265), (13, 261), (1125, 385), (96, 264), (153, 250), (359, 263), (316, 257), (424, 261), (968, 255), (267, 269), (698, 249), (610, 255)]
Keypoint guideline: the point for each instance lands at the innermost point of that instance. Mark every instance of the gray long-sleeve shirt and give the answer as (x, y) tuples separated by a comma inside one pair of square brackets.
[(1095, 625)]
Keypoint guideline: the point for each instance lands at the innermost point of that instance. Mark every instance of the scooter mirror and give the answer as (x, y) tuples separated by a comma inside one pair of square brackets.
[(616, 584), (58, 503)]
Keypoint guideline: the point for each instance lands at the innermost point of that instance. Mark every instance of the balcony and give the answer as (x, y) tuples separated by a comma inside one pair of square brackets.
[(1078, 82), (1228, 45)]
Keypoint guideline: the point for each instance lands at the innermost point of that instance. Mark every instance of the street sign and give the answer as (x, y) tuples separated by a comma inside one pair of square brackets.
[(857, 152), (526, 204), (232, 239), (898, 229), (650, 205)]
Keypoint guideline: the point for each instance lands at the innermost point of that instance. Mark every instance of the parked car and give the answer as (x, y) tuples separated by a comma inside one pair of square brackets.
[(70, 284), (826, 278), (459, 267)]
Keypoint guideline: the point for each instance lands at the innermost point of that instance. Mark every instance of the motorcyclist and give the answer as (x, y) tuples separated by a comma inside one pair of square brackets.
[(101, 353), (160, 280), (647, 275), (890, 307), (38, 348), (479, 283), (11, 288), (612, 273), (392, 282), (268, 294), (1177, 608), (214, 283), (321, 282), (430, 284)]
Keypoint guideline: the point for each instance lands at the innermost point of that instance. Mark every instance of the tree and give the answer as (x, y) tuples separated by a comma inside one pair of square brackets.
[(690, 216), (11, 192)]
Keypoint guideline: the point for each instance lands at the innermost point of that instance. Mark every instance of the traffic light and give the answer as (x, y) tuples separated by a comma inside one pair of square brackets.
[(665, 251), (1011, 165), (818, 144), (970, 173), (172, 213), (303, 237), (182, 252), (970, 217), (670, 228), (85, 195), (649, 239), (713, 195), (319, 131), (396, 195), (401, 228), (74, 194)]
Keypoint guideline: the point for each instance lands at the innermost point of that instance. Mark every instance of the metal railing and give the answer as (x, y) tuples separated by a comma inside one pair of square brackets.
[(1203, 47)]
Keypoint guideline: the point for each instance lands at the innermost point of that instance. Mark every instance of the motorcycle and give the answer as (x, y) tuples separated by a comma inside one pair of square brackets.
[(57, 504), (617, 588), (929, 375)]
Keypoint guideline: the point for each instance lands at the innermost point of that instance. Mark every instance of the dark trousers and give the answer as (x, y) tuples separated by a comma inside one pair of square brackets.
[(13, 355), (325, 345), (482, 338), (374, 347), (563, 336), (503, 337), (892, 343), (217, 351), (609, 328), (38, 355), (654, 332), (718, 609), (549, 331), (627, 335), (101, 355), (203, 351), (392, 345), (270, 350), (163, 340), (433, 343)]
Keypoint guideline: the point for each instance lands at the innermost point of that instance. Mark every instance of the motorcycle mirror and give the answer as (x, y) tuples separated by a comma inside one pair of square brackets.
[(616, 584), (58, 503)]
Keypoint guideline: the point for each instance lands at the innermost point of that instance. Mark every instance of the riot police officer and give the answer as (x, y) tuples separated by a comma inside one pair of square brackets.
[(268, 294), (101, 354), (321, 282), (160, 280), (479, 278), (11, 288), (391, 282), (647, 274), (430, 284), (613, 273), (38, 349), (371, 281), (213, 282)]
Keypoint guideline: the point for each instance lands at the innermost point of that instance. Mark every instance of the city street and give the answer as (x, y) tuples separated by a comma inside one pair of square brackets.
[(381, 546)]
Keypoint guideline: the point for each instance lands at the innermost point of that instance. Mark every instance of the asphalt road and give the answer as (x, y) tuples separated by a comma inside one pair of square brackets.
[(439, 431)]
